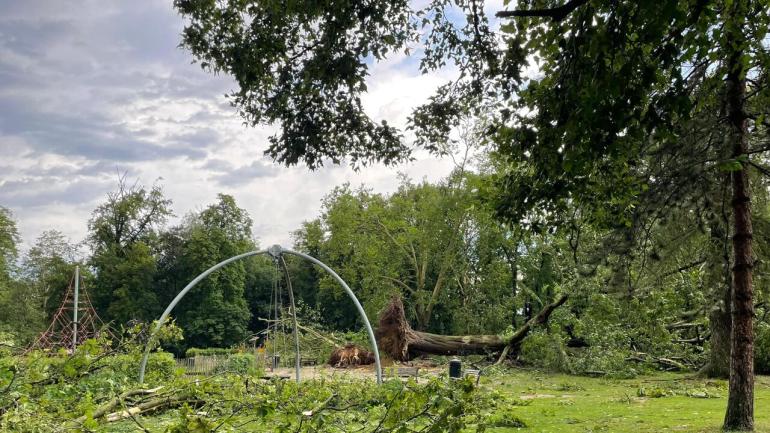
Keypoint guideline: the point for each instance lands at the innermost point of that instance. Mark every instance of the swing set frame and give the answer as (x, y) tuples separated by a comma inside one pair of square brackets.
[(277, 252)]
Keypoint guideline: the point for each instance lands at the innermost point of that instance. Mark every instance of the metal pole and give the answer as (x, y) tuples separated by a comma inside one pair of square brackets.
[(355, 301), (75, 313), (297, 365)]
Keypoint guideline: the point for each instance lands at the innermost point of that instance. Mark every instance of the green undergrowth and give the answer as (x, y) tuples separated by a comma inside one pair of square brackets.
[(66, 392)]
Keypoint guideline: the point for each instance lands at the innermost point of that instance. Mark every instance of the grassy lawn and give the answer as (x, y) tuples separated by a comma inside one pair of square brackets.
[(660, 403)]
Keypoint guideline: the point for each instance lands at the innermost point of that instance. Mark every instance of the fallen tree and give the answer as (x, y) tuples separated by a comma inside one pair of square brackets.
[(397, 338)]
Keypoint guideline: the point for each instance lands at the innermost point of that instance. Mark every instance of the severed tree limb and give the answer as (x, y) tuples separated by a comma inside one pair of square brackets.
[(541, 318), (151, 405), (556, 14), (117, 401), (397, 338), (503, 355), (666, 363)]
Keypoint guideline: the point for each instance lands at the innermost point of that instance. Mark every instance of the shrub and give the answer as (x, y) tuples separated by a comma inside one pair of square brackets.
[(210, 351), (545, 351), (160, 366), (240, 363)]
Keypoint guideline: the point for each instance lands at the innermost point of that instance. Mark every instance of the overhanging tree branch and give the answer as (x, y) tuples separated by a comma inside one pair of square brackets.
[(556, 14)]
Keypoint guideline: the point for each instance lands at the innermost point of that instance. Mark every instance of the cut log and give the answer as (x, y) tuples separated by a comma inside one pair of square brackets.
[(402, 343)]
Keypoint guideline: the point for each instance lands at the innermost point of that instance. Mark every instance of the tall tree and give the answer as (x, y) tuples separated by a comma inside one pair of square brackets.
[(215, 312), (49, 268), (428, 243), (20, 313), (650, 142), (123, 237)]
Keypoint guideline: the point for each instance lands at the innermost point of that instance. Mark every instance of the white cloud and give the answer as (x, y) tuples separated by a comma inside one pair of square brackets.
[(90, 89)]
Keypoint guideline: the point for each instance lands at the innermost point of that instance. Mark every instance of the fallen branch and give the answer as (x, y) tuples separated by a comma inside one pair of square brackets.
[(666, 363), (540, 319), (319, 335), (117, 401), (152, 405), (699, 340)]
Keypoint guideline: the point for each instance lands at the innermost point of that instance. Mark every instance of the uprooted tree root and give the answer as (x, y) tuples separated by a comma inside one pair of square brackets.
[(402, 343), (350, 355)]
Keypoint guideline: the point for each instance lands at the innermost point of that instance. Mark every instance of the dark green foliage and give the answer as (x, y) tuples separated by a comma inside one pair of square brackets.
[(209, 351), (49, 269), (21, 315), (215, 312), (762, 348), (240, 363), (123, 233), (303, 64)]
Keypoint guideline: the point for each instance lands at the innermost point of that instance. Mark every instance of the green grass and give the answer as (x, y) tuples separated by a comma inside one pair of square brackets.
[(660, 403)]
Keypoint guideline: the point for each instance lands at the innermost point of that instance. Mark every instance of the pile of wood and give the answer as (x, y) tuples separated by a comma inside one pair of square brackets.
[(350, 355)]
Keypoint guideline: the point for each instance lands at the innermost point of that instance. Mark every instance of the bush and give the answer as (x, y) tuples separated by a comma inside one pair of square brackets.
[(209, 351), (240, 363), (762, 348), (160, 366), (545, 351)]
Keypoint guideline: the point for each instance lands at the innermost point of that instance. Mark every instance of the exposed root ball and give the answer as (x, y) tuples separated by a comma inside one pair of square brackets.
[(394, 333), (350, 355)]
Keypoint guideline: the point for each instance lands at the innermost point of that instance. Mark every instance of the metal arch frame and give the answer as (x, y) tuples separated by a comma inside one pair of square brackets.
[(275, 251)]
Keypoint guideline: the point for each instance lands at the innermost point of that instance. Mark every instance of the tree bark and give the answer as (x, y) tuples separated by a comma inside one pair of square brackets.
[(720, 317), (402, 343), (740, 403), (720, 325)]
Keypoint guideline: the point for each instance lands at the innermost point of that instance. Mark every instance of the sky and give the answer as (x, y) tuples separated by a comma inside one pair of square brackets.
[(91, 89)]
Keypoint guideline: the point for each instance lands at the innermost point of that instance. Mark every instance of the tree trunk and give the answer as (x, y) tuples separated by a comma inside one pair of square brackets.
[(512, 257), (720, 325), (402, 343), (720, 317), (740, 403)]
